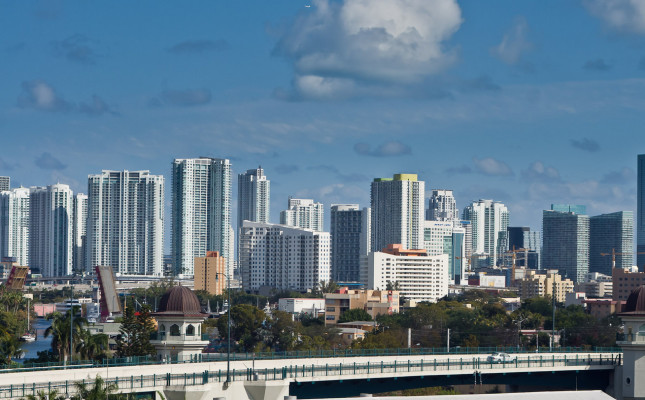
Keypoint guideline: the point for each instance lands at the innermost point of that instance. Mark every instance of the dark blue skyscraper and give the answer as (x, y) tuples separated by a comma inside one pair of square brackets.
[(640, 216)]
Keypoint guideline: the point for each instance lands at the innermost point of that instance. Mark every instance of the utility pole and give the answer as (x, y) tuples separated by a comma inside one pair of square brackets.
[(553, 320), (71, 324), (409, 337), (448, 342)]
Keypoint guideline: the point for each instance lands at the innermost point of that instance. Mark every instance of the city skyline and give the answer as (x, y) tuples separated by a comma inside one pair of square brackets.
[(494, 105)]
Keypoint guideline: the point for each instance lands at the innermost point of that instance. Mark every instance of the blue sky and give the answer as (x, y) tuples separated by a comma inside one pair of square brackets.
[(524, 102)]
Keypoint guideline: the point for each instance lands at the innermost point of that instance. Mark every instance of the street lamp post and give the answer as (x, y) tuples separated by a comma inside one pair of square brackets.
[(228, 323)]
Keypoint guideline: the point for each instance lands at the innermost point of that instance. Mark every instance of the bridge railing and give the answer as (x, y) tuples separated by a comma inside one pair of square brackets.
[(349, 369), (336, 353)]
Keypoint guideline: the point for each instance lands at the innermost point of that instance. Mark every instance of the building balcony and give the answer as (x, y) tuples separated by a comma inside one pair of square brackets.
[(166, 337)]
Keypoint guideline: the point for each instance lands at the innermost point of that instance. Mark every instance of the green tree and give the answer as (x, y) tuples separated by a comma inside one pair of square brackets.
[(283, 331), (42, 395), (93, 347), (134, 333), (60, 332), (246, 324), (99, 390), (354, 314)]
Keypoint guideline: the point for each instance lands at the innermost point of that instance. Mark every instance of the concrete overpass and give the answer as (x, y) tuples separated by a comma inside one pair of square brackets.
[(312, 378)]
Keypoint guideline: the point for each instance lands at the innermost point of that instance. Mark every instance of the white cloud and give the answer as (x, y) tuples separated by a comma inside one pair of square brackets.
[(537, 171), (41, 96), (491, 166), (620, 15), (338, 49), (514, 43)]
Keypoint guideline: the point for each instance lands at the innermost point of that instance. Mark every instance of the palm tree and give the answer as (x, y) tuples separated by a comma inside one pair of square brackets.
[(60, 332), (92, 347), (100, 390), (9, 349)]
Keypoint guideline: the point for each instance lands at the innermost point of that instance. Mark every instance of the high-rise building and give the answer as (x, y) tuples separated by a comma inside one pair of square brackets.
[(50, 230), (565, 243), (611, 233), (489, 221), (201, 211), (283, 257), (14, 225), (79, 233), (521, 237), (253, 196), (446, 237), (640, 214), (125, 222), (397, 212), (303, 213), (5, 183), (417, 275), (574, 208), (350, 236), (442, 206), (210, 273)]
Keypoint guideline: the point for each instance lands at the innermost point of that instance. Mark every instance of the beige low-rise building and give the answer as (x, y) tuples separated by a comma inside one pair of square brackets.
[(536, 284), (374, 302), (210, 273)]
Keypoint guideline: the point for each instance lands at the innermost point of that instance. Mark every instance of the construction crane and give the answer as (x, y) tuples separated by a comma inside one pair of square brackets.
[(514, 257), (613, 255)]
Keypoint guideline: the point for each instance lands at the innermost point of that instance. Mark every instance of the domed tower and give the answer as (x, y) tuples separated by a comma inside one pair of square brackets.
[(633, 316), (179, 325)]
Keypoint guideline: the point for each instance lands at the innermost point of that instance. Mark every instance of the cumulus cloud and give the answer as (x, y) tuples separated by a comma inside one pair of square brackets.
[(41, 96), (97, 106), (387, 149), (623, 176), (539, 172), (586, 144), (514, 43), (287, 168), (338, 49), (596, 65), (76, 48), (47, 161), (620, 15), (185, 98), (491, 166), (198, 46)]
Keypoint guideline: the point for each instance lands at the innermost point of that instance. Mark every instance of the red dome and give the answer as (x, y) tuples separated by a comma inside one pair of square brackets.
[(179, 300)]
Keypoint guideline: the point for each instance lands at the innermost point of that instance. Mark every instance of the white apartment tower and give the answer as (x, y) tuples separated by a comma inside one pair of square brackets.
[(442, 206), (303, 213), (397, 212), (489, 220), (125, 222), (50, 230), (253, 196), (79, 235), (14, 225), (201, 212), (283, 257)]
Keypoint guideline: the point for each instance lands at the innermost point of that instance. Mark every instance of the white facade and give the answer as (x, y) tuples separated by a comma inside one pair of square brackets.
[(303, 213), (125, 222), (300, 305), (442, 206), (435, 234), (253, 196), (79, 228), (397, 212), (14, 225), (489, 221), (201, 211), (419, 278), (50, 230), (283, 257)]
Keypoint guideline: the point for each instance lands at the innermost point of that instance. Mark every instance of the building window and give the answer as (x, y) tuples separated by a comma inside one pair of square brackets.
[(190, 330), (174, 330)]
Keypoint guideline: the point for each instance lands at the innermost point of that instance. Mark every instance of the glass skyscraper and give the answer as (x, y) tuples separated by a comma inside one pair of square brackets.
[(565, 247), (350, 236), (609, 232), (640, 214)]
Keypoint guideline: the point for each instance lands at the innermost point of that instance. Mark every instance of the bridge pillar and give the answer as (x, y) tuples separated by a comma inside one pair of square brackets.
[(243, 390)]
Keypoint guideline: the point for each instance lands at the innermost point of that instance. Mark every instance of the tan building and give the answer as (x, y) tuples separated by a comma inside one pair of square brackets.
[(210, 273), (374, 302), (601, 308), (540, 285), (626, 280)]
